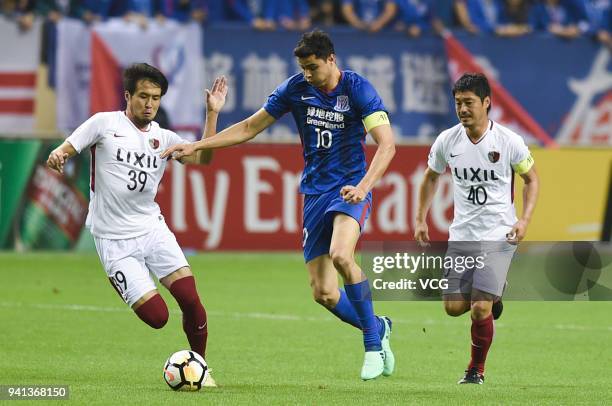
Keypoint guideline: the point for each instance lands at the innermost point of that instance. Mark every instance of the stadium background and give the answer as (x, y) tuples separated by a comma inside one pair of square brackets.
[(54, 75), (555, 92)]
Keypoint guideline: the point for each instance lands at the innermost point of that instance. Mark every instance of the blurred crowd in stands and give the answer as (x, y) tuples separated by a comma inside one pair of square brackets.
[(510, 18)]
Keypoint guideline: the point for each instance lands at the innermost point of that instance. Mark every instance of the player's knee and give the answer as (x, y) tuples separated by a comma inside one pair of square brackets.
[(324, 297), (185, 293), (159, 321), (154, 312), (342, 259), (190, 301), (158, 317), (481, 310), (454, 308)]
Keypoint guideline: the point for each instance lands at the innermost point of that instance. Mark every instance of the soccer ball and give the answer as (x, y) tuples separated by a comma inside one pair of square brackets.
[(185, 370)]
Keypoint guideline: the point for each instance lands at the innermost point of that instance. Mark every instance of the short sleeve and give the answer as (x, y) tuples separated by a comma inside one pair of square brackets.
[(278, 102), (174, 139), (520, 157), (365, 98), (436, 159), (88, 133)]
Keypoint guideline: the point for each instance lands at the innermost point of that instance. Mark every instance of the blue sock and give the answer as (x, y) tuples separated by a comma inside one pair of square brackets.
[(381, 327), (361, 298), (344, 311)]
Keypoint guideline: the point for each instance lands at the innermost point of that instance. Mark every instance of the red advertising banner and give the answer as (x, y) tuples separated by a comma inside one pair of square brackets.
[(247, 199)]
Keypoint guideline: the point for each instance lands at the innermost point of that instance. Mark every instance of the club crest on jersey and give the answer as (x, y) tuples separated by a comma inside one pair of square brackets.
[(154, 143), (342, 103), (493, 156)]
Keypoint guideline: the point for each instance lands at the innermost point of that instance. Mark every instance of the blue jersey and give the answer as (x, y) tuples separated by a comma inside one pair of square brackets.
[(330, 127)]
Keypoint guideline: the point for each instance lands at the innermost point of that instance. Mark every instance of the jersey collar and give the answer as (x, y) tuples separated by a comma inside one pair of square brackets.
[(482, 137), (335, 88), (134, 125)]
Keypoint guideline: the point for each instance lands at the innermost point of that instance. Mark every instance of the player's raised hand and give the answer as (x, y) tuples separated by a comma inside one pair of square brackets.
[(57, 159), (352, 194), (421, 233), (518, 232), (179, 151), (215, 97)]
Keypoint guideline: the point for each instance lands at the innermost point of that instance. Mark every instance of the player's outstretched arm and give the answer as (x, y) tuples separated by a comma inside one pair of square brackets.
[(530, 198), (215, 100), (60, 155), (236, 134), (427, 190), (383, 135)]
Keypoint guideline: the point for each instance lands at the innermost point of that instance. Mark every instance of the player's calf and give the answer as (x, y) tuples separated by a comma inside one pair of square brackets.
[(498, 306), (497, 309), (195, 323)]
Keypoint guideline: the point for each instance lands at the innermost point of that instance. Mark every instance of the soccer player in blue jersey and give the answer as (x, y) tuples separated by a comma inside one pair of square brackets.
[(333, 111)]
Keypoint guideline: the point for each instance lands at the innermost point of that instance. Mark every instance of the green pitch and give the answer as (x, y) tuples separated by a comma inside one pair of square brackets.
[(62, 323)]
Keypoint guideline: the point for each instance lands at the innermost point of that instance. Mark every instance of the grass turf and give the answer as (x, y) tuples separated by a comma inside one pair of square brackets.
[(62, 323)]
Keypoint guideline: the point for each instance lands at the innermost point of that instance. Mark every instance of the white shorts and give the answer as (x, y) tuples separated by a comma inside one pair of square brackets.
[(129, 262)]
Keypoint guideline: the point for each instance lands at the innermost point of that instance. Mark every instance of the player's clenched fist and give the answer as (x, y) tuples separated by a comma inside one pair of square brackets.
[(421, 233), (57, 159), (517, 233), (179, 151), (352, 194)]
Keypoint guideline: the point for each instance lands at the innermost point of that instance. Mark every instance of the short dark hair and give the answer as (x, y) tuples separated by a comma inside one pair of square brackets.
[(316, 43), (140, 71), (473, 82)]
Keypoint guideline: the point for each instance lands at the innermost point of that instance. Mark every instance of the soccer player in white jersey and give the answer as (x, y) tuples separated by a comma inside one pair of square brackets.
[(483, 157), (131, 236)]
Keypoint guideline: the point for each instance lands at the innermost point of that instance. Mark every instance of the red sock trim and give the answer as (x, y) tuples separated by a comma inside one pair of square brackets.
[(484, 321)]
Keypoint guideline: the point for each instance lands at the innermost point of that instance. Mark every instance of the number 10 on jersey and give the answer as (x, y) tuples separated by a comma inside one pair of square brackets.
[(324, 138)]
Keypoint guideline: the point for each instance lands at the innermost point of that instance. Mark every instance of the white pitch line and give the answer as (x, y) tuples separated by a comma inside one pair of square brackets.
[(236, 315), (271, 316)]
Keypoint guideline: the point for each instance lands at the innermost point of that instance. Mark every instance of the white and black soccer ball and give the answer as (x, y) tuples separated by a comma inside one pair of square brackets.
[(185, 370)]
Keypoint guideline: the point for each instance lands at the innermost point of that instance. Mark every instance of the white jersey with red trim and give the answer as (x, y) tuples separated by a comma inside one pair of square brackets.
[(483, 180), (126, 171)]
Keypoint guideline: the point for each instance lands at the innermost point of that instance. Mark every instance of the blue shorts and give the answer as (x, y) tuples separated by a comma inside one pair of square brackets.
[(319, 211)]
